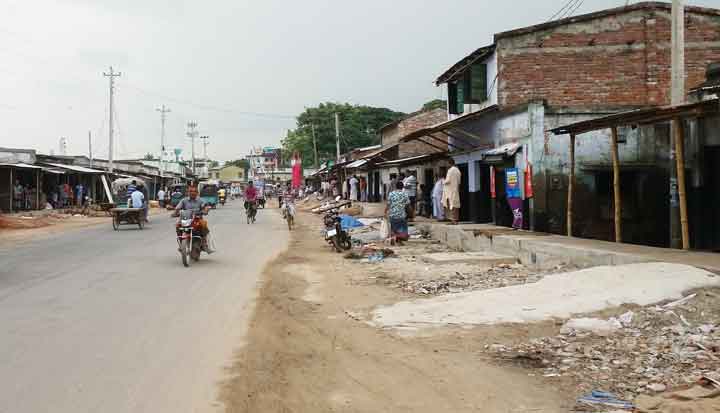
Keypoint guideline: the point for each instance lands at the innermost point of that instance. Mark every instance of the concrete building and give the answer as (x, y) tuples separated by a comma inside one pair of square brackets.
[(229, 174), (504, 97)]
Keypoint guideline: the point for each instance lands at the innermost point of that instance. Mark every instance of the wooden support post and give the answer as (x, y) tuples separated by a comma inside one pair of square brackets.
[(616, 185), (679, 134), (571, 186)]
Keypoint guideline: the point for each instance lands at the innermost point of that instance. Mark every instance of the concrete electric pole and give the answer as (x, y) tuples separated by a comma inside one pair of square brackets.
[(337, 136), (204, 140), (90, 155), (191, 133), (163, 111), (312, 125), (112, 75), (677, 97)]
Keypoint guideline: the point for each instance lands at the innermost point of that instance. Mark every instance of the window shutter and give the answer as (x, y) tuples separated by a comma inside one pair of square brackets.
[(452, 98), (460, 101), (479, 82), (467, 80)]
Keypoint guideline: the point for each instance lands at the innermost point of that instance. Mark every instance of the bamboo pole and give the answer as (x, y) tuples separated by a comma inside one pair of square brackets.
[(616, 185), (679, 134), (571, 186)]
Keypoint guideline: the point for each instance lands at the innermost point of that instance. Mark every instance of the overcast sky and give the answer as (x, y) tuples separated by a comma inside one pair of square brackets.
[(240, 68)]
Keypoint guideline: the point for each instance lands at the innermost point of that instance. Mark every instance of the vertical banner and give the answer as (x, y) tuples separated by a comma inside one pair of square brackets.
[(528, 174), (512, 183), (492, 182), (296, 171)]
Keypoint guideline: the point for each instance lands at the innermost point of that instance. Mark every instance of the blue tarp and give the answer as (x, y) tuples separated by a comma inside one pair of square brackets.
[(349, 222)]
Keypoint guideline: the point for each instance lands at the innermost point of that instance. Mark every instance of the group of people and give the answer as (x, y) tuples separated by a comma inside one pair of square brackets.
[(402, 200), (355, 189)]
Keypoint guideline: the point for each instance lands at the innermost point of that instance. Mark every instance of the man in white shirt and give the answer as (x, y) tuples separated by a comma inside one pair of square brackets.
[(138, 199), (161, 197)]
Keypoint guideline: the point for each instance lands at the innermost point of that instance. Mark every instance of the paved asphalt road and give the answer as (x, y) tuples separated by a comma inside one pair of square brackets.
[(101, 321)]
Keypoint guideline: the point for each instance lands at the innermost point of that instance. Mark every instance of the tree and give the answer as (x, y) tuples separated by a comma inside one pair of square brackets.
[(435, 104), (359, 127), (240, 163), (214, 164), (149, 157)]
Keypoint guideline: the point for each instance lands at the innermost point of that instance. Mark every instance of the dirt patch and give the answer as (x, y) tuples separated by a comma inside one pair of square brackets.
[(309, 350)]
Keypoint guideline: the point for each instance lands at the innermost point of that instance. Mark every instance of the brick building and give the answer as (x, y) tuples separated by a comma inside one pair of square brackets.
[(504, 97)]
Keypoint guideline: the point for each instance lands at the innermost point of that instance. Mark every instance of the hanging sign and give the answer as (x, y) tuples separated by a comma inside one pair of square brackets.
[(512, 183)]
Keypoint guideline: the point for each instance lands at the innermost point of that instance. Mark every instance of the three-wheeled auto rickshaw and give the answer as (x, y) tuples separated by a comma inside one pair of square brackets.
[(177, 193), (209, 193)]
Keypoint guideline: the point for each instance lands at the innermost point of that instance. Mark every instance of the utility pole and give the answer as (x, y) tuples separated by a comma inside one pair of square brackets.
[(90, 148), (677, 94), (112, 75), (312, 125), (337, 136), (204, 140), (163, 111), (191, 126)]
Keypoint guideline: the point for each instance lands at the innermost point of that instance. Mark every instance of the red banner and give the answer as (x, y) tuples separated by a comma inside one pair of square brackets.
[(296, 171), (528, 181), (492, 182)]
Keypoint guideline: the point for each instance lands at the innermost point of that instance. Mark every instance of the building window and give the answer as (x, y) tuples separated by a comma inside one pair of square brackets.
[(456, 98), (476, 83), (240, 175)]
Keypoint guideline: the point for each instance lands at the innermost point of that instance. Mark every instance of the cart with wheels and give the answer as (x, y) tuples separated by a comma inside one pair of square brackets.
[(127, 216)]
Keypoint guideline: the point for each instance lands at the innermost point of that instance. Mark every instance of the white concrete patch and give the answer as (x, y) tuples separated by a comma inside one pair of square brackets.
[(557, 296), (487, 259)]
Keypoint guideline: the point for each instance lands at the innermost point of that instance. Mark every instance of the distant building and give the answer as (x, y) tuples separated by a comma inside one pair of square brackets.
[(229, 174)]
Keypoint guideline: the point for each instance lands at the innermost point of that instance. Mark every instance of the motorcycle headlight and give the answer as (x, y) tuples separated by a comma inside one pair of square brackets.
[(185, 222)]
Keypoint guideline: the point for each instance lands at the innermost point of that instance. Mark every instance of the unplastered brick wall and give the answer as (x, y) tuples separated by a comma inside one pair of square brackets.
[(618, 59), (411, 123)]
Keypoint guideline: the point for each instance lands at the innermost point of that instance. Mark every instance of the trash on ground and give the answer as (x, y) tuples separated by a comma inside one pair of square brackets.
[(604, 400)]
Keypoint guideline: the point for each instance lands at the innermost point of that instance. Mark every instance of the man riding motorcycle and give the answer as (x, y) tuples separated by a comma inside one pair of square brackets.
[(193, 203)]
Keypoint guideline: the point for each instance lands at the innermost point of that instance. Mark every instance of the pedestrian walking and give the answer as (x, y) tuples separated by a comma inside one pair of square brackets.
[(353, 182), (396, 210), (437, 197), (451, 193)]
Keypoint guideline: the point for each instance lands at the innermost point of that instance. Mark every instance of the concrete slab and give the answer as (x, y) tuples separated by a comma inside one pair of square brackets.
[(555, 296), (480, 258)]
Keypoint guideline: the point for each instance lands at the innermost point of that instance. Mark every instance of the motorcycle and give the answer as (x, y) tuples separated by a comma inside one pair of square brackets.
[(261, 203), (335, 235), (190, 241), (222, 200), (250, 211)]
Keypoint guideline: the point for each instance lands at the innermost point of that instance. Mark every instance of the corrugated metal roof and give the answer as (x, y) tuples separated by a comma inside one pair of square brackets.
[(75, 168), (20, 165)]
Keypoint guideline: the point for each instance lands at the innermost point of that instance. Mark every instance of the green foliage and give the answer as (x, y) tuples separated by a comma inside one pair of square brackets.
[(240, 163), (149, 157), (359, 127), (214, 164), (435, 104)]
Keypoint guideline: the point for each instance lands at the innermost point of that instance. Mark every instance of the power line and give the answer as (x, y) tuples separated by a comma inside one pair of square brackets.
[(209, 107), (562, 10), (580, 3)]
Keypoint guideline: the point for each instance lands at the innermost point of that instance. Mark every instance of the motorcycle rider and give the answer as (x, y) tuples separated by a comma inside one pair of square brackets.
[(221, 194), (193, 203)]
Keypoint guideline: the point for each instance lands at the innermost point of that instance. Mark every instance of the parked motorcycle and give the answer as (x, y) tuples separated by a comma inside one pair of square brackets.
[(189, 238), (335, 235)]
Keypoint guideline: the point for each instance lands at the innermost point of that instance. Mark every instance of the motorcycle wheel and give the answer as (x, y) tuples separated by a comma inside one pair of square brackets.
[(195, 251), (337, 244), (346, 244), (116, 222), (185, 252)]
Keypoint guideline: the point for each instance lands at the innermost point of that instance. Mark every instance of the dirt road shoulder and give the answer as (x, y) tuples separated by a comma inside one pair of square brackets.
[(308, 350)]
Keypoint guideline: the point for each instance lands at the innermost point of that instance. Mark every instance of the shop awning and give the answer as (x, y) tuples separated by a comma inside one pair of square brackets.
[(356, 164), (21, 165), (452, 135), (75, 168), (414, 160)]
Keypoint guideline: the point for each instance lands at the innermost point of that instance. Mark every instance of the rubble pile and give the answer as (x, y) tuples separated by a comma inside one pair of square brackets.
[(503, 275), (647, 351)]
